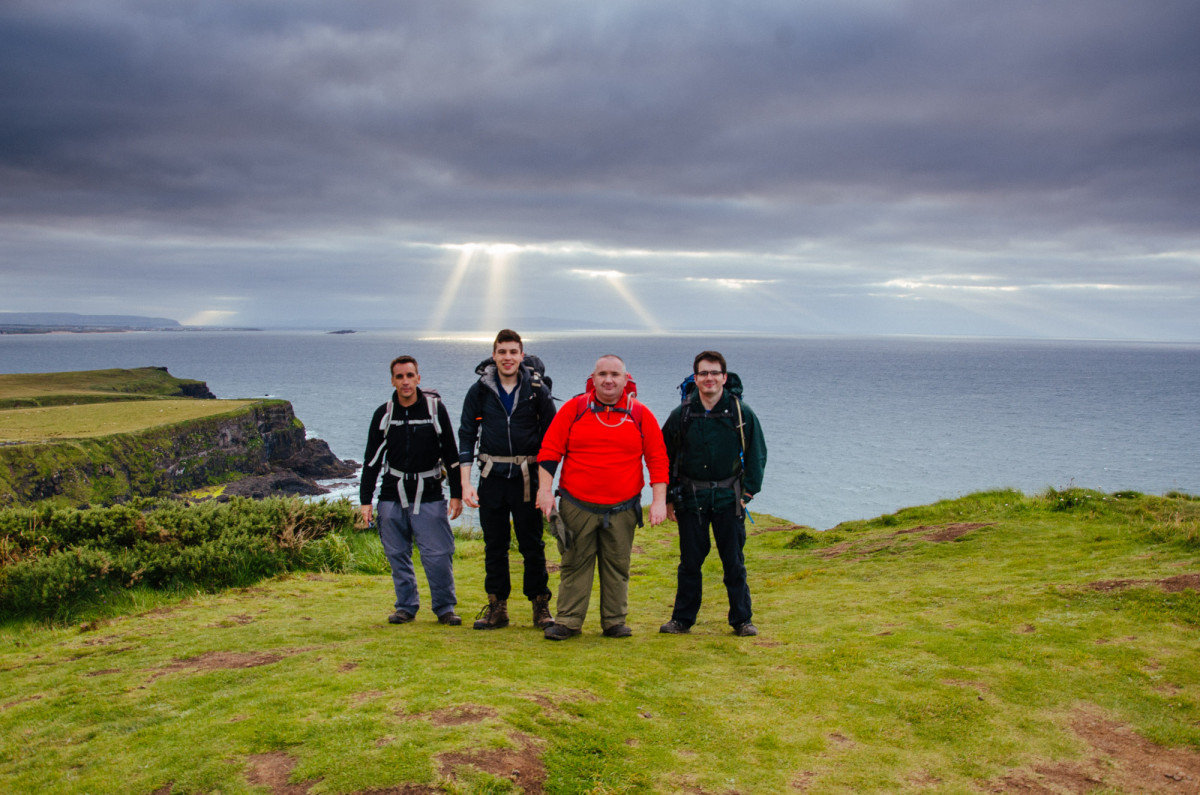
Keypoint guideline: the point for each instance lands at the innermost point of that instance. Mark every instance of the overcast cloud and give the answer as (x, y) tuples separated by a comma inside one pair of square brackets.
[(858, 166)]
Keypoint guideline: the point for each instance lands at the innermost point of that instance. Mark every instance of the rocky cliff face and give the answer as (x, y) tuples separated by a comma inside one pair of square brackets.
[(261, 441)]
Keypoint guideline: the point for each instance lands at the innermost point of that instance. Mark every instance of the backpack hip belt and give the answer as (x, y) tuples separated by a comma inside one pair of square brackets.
[(732, 482), (420, 477), (605, 512), (521, 460)]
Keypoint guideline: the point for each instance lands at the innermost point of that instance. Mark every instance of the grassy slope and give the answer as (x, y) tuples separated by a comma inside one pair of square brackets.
[(38, 407), (888, 662), (19, 390), (103, 419)]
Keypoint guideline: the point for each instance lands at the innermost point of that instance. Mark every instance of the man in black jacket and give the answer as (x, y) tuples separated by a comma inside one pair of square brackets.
[(411, 441), (718, 454), (507, 412)]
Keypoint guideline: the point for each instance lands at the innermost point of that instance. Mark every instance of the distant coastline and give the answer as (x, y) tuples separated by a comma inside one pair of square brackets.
[(71, 323)]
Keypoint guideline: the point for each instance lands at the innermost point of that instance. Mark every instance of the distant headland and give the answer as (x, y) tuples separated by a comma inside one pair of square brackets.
[(69, 322)]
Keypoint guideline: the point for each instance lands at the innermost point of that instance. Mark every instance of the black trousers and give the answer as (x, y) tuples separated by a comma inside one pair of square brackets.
[(500, 499), (729, 532)]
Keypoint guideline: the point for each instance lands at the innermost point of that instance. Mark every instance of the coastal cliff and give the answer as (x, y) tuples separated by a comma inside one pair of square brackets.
[(257, 448)]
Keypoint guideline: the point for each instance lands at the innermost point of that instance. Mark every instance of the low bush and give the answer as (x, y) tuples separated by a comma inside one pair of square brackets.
[(57, 561)]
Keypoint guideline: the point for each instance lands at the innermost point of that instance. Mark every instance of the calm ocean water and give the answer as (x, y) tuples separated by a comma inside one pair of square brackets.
[(855, 427)]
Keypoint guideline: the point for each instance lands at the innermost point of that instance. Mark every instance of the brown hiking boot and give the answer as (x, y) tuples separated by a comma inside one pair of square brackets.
[(494, 616), (541, 611)]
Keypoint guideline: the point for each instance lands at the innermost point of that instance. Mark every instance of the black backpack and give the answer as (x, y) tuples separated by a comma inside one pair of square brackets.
[(534, 367)]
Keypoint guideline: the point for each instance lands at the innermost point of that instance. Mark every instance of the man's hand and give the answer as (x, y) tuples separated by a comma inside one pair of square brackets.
[(470, 496), (658, 508), (671, 511), (545, 500), (455, 507), (365, 512)]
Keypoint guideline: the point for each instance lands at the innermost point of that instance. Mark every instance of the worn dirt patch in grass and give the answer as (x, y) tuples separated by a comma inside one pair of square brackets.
[(553, 707), (34, 697), (272, 771), (457, 715), (231, 621), (222, 660), (932, 533), (1180, 582), (782, 528), (521, 765), (1119, 760), (946, 532)]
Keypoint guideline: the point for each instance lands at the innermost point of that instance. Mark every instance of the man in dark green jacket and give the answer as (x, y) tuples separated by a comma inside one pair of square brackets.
[(718, 453)]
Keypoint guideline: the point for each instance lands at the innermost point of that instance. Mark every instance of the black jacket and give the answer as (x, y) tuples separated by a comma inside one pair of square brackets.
[(485, 420), (410, 448)]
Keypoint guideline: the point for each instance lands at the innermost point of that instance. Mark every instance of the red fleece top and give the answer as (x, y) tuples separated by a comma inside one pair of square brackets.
[(604, 450)]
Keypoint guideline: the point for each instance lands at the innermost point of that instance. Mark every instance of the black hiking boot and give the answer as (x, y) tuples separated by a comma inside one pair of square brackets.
[(745, 630), (400, 617), (674, 627), (618, 631), (494, 616), (559, 632)]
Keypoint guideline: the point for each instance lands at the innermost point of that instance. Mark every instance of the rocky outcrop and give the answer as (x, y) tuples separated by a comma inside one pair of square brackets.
[(264, 440)]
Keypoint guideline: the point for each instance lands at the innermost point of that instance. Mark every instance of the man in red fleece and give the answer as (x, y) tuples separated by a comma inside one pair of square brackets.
[(601, 438)]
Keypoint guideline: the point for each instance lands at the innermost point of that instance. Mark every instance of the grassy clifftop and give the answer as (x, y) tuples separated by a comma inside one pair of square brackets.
[(22, 390), (102, 435), (991, 644)]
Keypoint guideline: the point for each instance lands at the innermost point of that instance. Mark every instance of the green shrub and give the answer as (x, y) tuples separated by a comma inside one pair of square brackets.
[(56, 561)]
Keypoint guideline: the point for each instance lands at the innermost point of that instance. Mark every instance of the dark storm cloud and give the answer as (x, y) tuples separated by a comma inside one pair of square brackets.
[(895, 137)]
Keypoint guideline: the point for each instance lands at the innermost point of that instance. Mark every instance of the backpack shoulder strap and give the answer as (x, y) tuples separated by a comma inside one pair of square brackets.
[(384, 427), (431, 402)]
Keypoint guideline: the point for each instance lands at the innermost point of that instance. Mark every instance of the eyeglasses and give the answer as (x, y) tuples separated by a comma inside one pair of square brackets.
[(709, 373)]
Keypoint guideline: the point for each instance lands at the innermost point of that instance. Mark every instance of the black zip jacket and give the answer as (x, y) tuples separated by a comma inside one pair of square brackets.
[(485, 421), (410, 448)]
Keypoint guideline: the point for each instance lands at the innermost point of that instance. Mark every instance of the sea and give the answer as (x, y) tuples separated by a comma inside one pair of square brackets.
[(855, 426)]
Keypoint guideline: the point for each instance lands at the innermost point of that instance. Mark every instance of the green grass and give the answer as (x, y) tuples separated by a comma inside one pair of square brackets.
[(87, 386), (104, 419), (888, 662)]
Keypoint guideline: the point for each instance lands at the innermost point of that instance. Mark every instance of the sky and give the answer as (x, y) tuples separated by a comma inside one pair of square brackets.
[(1025, 168)]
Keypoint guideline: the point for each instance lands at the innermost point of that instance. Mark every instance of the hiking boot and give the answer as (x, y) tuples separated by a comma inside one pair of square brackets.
[(450, 619), (400, 617), (674, 627), (618, 631), (559, 632), (494, 616), (541, 611), (745, 630)]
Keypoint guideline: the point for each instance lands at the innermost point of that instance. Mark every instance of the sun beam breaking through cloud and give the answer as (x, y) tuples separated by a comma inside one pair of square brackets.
[(616, 279)]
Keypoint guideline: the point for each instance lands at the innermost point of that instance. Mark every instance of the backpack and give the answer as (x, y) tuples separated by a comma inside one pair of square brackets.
[(533, 366), (636, 410), (432, 401), (733, 385)]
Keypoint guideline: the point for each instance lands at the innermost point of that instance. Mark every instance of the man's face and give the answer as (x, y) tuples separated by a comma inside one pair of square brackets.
[(405, 379), (709, 378), (609, 379), (508, 356)]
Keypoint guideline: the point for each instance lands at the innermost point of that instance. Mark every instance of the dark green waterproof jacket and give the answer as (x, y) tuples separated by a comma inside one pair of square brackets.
[(707, 447)]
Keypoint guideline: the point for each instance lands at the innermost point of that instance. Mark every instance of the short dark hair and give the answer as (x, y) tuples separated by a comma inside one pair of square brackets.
[(624, 366), (402, 360), (708, 356), (508, 335)]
